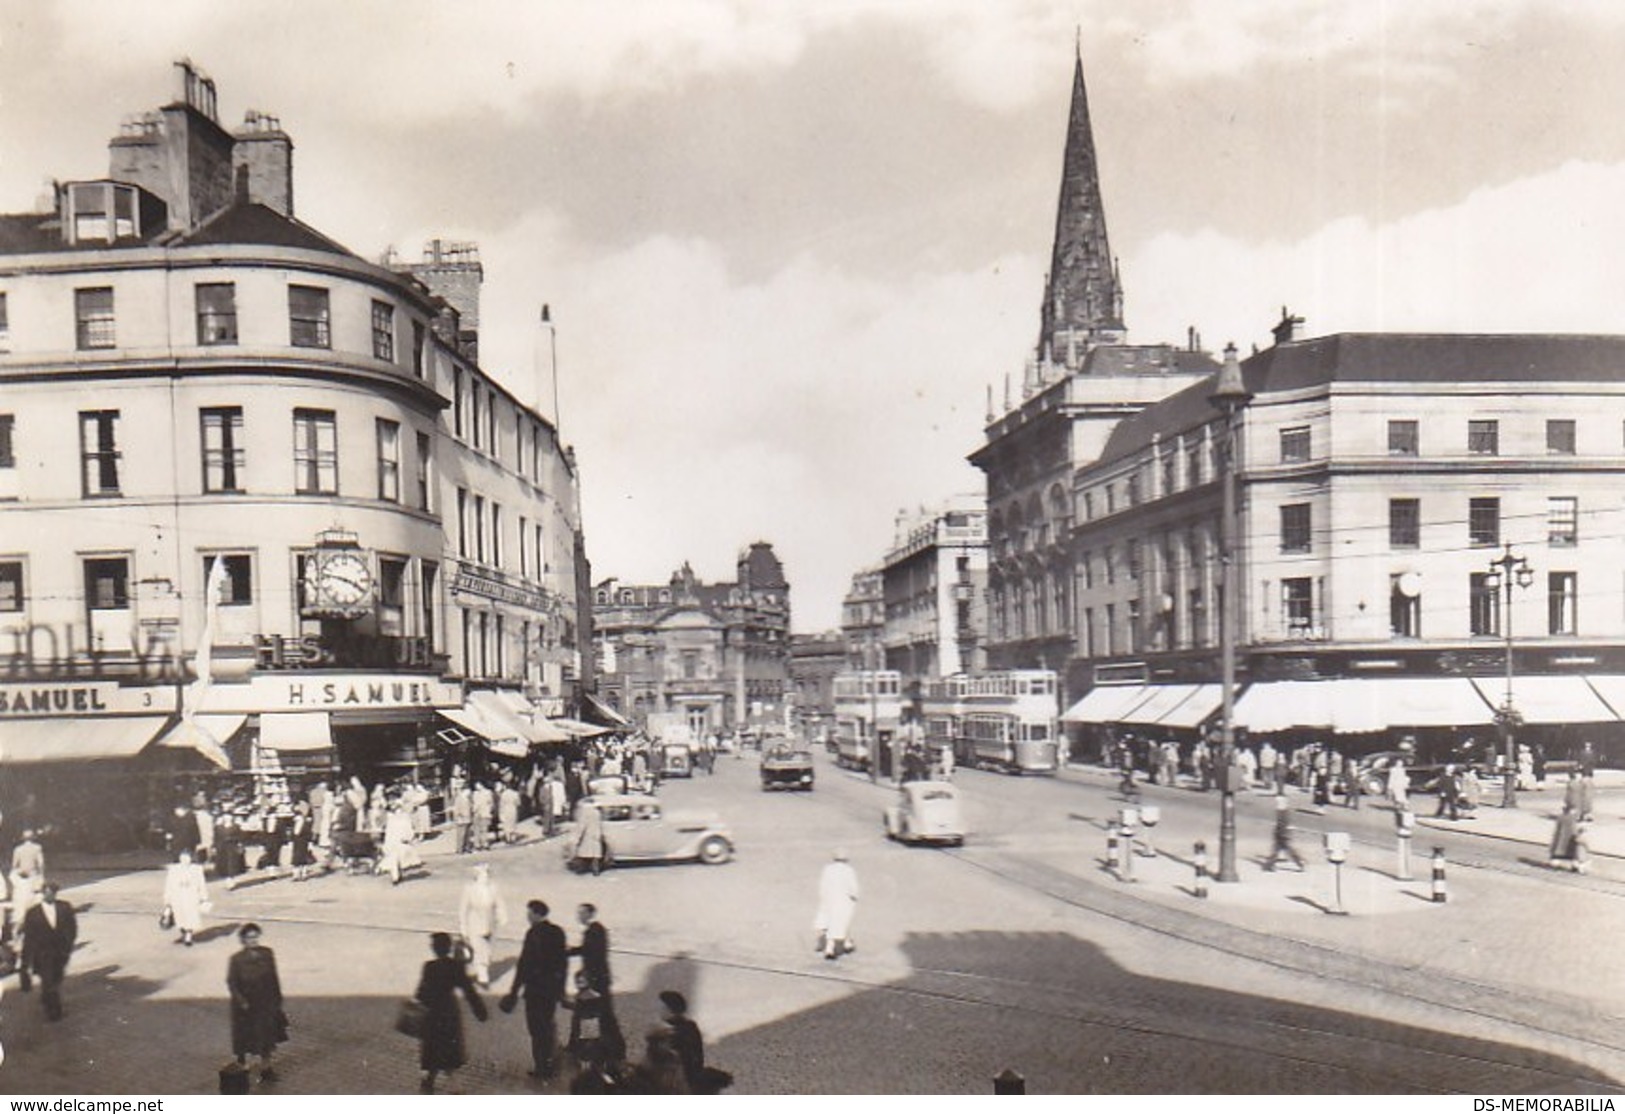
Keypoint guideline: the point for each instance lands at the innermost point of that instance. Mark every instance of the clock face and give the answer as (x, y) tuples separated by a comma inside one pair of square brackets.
[(345, 578)]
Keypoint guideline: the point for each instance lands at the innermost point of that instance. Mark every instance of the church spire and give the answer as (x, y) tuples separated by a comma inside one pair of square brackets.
[(1083, 302)]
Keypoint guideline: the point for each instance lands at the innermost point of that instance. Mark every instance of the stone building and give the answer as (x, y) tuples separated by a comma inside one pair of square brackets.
[(256, 496), (932, 583), (863, 620), (711, 657)]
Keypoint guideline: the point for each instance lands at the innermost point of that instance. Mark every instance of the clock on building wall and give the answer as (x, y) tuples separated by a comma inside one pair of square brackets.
[(339, 582)]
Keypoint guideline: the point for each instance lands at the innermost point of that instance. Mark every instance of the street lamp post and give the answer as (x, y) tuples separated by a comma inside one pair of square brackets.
[(1230, 396), (1505, 573)]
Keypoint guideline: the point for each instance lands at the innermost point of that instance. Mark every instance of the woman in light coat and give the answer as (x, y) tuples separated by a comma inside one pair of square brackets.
[(837, 902), (186, 895), (399, 854)]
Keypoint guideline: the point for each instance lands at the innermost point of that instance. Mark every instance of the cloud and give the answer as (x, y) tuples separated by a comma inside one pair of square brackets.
[(1482, 265)]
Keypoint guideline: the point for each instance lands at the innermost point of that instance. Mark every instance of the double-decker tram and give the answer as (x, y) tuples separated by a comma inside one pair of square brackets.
[(1008, 722), (868, 712), (942, 708)]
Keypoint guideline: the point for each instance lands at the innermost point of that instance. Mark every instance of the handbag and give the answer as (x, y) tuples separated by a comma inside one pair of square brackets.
[(410, 1017), (166, 919), (462, 951)]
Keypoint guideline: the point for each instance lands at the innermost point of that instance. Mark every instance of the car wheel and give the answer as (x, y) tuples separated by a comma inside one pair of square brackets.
[(715, 850)]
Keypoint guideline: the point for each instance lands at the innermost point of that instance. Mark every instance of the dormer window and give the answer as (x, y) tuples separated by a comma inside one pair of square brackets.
[(101, 212)]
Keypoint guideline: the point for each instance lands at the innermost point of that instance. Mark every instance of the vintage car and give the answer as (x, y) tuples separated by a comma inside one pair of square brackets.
[(676, 760), (787, 767), (926, 812), (638, 829)]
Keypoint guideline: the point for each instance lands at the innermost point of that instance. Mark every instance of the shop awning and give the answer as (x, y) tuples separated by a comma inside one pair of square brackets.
[(1159, 701), (1366, 704), (1612, 690), (1105, 704), (296, 731), (498, 709), (1195, 709), (595, 709), (205, 734), (1281, 705), (76, 739), (578, 728), (1548, 699)]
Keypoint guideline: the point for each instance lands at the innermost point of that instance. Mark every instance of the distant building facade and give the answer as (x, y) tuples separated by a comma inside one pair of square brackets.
[(933, 582), (863, 620), (815, 659), (712, 656)]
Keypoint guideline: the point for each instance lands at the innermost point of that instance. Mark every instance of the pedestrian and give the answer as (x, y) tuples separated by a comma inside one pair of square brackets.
[(837, 903), (186, 896), (589, 850), (483, 803), (595, 1040), (399, 853), (1447, 806), (1537, 764), (1170, 763), (1125, 766), (689, 1044), (1399, 785), (1320, 774), (181, 831), (1268, 759), (50, 928), (480, 913), (540, 976), (1566, 847), (301, 839), (26, 877), (1281, 844), (462, 818), (1353, 783), (258, 1024), (508, 812), (593, 951), (1470, 791), (441, 1047)]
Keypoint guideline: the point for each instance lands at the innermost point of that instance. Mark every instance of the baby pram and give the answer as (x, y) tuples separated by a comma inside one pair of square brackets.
[(355, 852)]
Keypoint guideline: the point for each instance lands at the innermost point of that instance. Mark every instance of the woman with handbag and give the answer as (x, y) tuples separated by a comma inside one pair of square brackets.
[(185, 894), (441, 1047)]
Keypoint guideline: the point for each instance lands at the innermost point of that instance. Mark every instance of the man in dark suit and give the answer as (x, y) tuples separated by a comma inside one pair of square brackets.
[(593, 949), (49, 931), (544, 965)]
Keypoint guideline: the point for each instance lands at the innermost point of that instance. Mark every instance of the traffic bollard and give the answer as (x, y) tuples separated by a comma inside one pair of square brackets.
[(1337, 851), (1111, 845), (1009, 1082), (1128, 821), (1199, 860), (1404, 828), (1149, 815), (1440, 895)]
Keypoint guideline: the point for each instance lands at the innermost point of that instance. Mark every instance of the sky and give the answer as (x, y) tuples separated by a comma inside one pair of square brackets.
[(789, 246)]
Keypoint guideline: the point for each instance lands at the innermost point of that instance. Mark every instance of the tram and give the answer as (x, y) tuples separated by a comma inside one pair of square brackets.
[(868, 713), (1006, 721)]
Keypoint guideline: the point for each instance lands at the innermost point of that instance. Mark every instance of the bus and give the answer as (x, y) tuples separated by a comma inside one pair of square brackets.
[(868, 713), (1006, 721)]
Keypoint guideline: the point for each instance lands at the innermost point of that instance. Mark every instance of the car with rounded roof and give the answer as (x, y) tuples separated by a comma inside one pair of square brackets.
[(638, 828)]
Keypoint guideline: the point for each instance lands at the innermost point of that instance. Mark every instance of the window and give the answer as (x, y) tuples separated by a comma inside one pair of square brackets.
[(1484, 437), (93, 317), (1132, 489), (1562, 602), (389, 460), (1563, 520), (462, 522), (1134, 626), (420, 344), (478, 432), (1404, 438), (98, 451), (1111, 629), (1483, 606), (1484, 522), (315, 452), (1404, 606), (1297, 603), (309, 318), (1087, 564), (383, 331), (107, 583), (1295, 445), (1135, 560), (5, 325), (238, 587), (1197, 606), (426, 602), (494, 440), (216, 313), (8, 452), (1295, 528), (11, 586), (1404, 523), (479, 528), (691, 664), (391, 596), (496, 535), (425, 472), (1088, 505), (541, 554), (1560, 436), (1170, 473), (1111, 499), (524, 547), (457, 401), (222, 448)]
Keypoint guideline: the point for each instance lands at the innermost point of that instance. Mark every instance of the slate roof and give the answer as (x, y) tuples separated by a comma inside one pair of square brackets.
[(241, 223), (1419, 358)]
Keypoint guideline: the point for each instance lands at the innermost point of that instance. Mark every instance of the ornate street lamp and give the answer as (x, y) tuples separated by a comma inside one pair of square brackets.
[(1230, 396), (1505, 573)]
